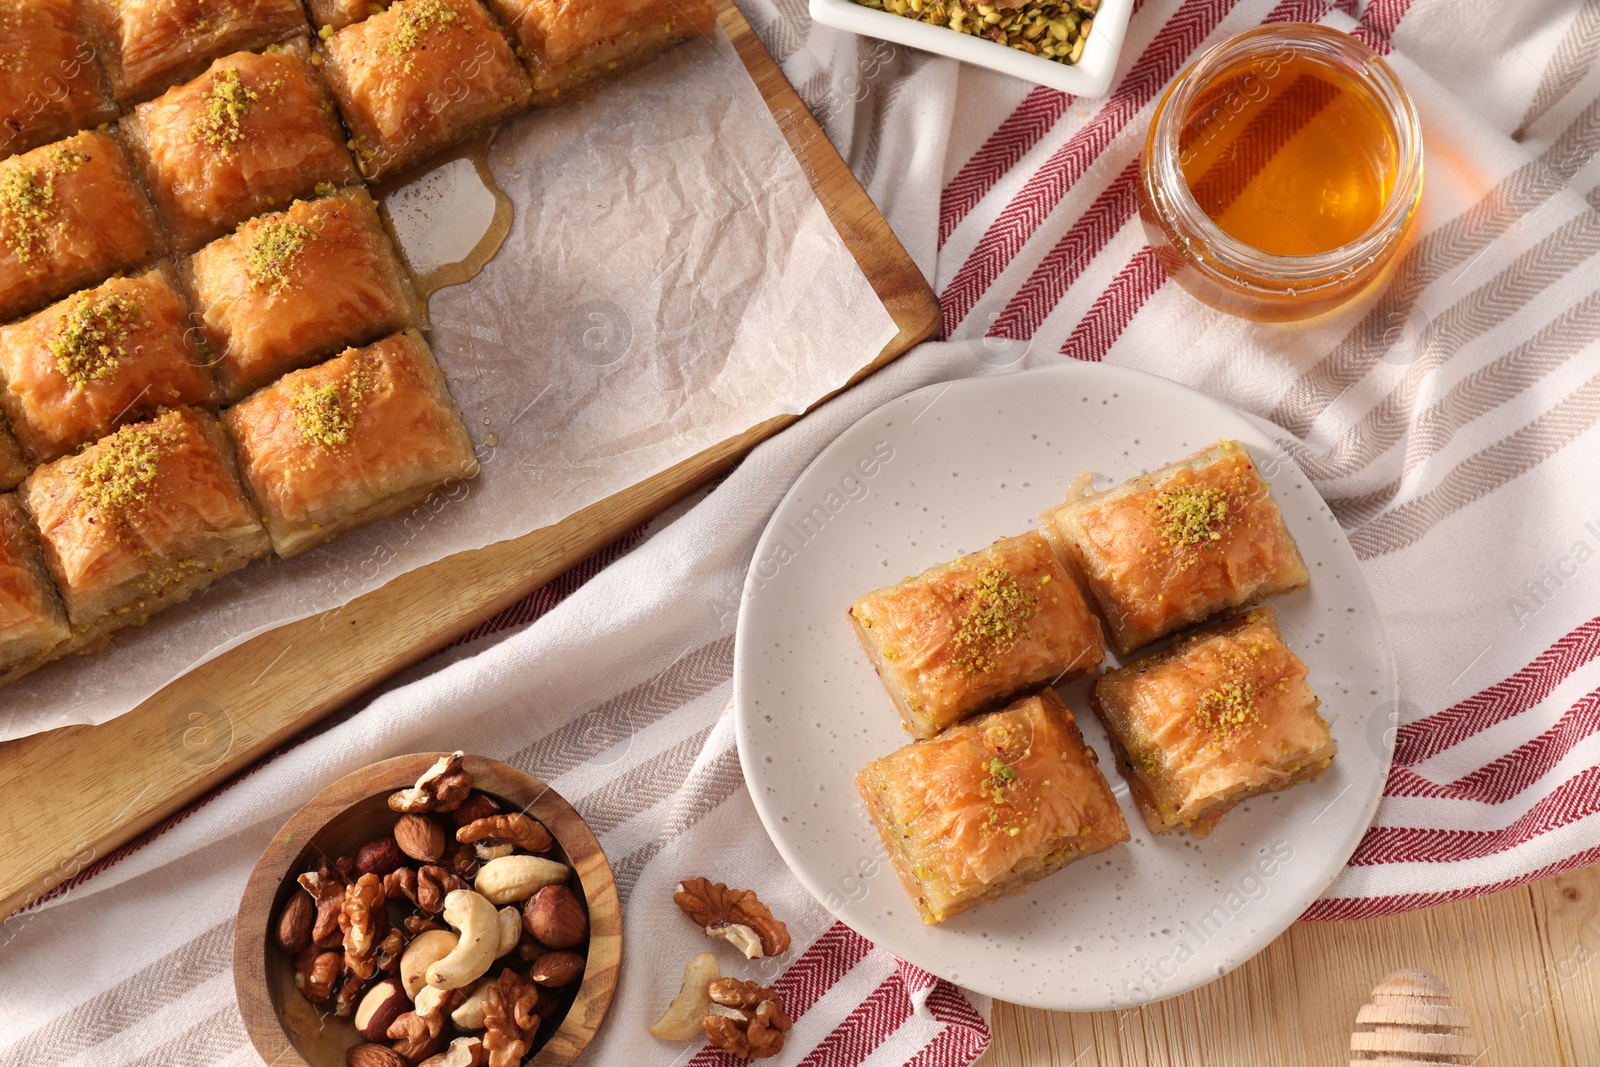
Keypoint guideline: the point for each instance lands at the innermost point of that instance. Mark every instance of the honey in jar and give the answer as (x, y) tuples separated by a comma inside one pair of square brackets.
[(1281, 172)]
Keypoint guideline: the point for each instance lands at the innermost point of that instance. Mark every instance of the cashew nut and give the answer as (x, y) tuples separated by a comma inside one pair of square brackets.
[(512, 878), (469, 1015), (510, 930), (427, 948), (475, 917)]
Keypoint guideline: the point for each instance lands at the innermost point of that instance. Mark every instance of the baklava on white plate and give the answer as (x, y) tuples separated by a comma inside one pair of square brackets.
[(1223, 715), (1176, 546), (988, 807), (968, 634)]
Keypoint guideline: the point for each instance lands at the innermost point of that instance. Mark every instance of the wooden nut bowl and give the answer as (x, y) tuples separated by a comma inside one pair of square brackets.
[(286, 1029)]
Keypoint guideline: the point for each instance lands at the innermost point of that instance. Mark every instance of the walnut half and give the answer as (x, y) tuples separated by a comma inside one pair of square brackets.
[(442, 787), (734, 915), (747, 1020)]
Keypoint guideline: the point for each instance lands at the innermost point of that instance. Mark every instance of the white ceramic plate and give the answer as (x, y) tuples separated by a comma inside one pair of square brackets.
[(1089, 77), (946, 470)]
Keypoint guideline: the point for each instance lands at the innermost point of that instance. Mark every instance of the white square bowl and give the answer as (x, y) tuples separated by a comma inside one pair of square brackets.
[(1089, 77)]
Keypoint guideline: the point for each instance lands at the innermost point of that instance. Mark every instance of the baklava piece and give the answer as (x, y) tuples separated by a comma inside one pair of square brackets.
[(1176, 546), (250, 134), (290, 289), (989, 807), (1221, 716), (418, 77), (142, 519), (337, 14), (569, 42), (148, 45), (969, 634), (71, 215), (367, 435), (32, 624), (50, 85), (13, 464), (108, 356)]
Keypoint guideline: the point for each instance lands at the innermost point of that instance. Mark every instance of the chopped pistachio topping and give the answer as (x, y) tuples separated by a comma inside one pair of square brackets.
[(28, 203), (1227, 710), (322, 415), (1191, 516), (418, 20), (227, 102), (123, 468), (275, 249), (93, 338), (999, 615)]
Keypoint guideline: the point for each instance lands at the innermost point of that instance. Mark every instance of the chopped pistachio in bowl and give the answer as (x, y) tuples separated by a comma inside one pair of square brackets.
[(1054, 29)]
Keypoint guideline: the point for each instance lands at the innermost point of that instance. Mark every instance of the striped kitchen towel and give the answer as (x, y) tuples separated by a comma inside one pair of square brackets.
[(1449, 420)]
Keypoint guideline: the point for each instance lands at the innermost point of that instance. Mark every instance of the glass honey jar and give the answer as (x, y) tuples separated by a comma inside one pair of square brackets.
[(1281, 172)]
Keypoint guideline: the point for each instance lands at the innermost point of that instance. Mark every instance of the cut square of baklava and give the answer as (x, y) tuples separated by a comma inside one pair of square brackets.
[(142, 519), (1222, 715), (990, 806), (250, 134), (369, 434), (1173, 547), (50, 85), (147, 45), (71, 215), (968, 634), (32, 623), (92, 362), (569, 42), (419, 76), (292, 288), (13, 464)]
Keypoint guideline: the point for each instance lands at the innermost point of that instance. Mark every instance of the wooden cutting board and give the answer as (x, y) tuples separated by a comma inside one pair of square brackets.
[(128, 774)]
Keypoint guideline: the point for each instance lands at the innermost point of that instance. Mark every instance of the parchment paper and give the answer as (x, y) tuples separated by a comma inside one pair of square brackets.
[(669, 280)]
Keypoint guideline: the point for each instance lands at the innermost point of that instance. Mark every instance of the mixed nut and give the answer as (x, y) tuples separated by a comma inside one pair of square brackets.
[(1054, 29), (745, 1019), (448, 941)]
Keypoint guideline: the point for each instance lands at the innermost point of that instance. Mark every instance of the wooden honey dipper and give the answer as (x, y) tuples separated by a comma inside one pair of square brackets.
[(1411, 1022)]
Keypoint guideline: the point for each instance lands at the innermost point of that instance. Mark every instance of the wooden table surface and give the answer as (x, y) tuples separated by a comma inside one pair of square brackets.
[(1524, 963)]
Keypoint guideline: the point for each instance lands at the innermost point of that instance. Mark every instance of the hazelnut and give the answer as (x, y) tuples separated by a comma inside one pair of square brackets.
[(379, 856), (555, 916), (372, 1056), (294, 924), (557, 969), (383, 1004), (420, 838)]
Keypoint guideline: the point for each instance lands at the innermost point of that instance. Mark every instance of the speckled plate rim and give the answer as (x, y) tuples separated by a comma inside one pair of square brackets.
[(864, 892)]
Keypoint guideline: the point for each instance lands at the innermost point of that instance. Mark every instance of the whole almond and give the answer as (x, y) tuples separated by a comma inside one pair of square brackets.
[(556, 969), (372, 1056), (294, 924), (420, 838), (379, 856), (555, 917)]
